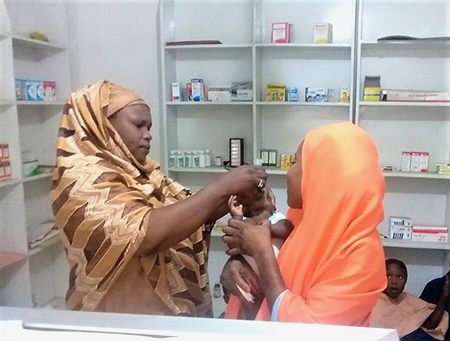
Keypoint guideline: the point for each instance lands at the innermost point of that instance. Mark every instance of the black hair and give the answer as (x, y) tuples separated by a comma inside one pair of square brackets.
[(399, 263)]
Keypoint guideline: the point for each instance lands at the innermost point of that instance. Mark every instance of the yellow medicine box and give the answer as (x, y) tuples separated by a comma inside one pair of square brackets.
[(275, 93)]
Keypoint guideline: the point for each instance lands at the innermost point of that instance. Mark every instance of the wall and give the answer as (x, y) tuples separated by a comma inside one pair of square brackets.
[(118, 41)]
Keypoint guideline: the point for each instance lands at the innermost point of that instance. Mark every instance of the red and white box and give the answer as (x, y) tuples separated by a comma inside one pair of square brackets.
[(282, 33), (430, 234), (5, 169), (415, 161), (424, 158), (4, 151), (406, 161)]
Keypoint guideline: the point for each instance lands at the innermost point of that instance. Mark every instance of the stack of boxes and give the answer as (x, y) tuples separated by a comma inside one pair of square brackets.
[(5, 164), (35, 90), (402, 228), (415, 161)]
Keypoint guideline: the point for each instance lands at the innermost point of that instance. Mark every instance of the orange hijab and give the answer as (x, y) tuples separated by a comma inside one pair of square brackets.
[(333, 261)]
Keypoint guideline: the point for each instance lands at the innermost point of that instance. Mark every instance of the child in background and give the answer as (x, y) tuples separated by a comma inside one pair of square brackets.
[(257, 212), (413, 318)]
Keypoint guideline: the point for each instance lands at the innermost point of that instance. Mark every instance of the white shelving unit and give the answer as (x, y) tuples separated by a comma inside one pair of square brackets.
[(40, 275), (402, 126), (248, 55)]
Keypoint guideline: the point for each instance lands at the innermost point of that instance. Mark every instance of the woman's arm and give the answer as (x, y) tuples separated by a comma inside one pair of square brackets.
[(171, 224), (435, 318), (255, 241)]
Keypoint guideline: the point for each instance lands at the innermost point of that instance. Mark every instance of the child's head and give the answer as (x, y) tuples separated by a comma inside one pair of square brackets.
[(267, 203), (397, 275)]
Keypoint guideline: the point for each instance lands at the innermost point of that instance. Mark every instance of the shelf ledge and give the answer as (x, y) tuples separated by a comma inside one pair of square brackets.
[(199, 170), (208, 47), (36, 44), (408, 244), (52, 239), (38, 177), (404, 104), (206, 103), (305, 104), (40, 103), (9, 182)]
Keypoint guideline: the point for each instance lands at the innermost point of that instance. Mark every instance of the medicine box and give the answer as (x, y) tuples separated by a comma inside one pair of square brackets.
[(4, 151), (372, 88), (49, 91), (176, 92), (273, 158), (415, 161), (39, 90), (423, 165), (21, 90), (292, 94), (241, 91), (400, 232), (30, 87), (443, 168), (286, 161), (5, 170), (265, 157), (316, 94), (282, 33), (430, 234), (198, 90), (323, 33), (400, 221), (219, 94), (275, 93), (406, 162), (344, 95)]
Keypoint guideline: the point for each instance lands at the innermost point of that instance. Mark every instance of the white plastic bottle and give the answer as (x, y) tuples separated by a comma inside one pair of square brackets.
[(202, 159), (208, 158), (180, 159), (186, 159), (196, 159), (190, 154), (173, 159)]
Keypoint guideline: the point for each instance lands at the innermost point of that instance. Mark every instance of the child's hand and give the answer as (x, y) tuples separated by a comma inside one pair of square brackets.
[(236, 210)]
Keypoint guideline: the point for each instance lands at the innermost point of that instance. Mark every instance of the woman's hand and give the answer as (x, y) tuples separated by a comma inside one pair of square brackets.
[(244, 181), (242, 237), (237, 272)]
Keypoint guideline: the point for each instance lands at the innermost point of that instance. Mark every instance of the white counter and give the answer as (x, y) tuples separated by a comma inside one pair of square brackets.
[(56, 324)]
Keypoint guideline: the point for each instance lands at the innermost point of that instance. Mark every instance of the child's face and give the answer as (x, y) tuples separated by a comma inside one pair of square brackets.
[(396, 278), (294, 181), (265, 204)]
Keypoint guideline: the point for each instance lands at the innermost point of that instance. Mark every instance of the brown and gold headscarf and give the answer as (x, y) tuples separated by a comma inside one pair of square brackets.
[(102, 198)]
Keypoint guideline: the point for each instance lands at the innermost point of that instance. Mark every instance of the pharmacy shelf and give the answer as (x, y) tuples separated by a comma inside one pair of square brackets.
[(209, 47), (9, 259), (276, 171), (22, 42), (404, 104), (412, 175), (304, 104), (206, 103), (199, 170), (326, 47), (408, 244), (40, 103), (54, 238), (427, 45), (9, 182), (38, 177)]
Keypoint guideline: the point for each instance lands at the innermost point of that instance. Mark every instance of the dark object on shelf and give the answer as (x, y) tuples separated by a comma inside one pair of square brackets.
[(409, 38), (193, 42), (39, 36), (236, 152)]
